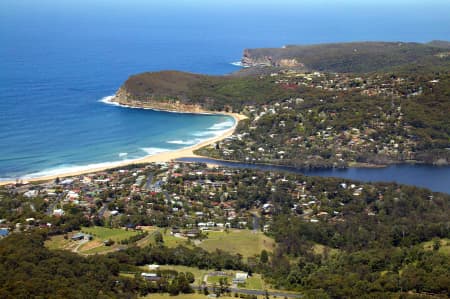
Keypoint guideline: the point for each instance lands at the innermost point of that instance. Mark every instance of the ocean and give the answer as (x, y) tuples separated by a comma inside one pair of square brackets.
[(59, 60)]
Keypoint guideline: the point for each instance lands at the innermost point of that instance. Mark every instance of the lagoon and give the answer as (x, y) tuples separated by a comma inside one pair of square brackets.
[(427, 176)]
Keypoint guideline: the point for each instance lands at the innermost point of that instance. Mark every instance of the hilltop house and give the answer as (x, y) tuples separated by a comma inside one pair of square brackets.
[(150, 276), (81, 236)]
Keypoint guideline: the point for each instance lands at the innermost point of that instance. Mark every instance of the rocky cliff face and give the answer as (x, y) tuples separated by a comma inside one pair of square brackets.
[(268, 57), (249, 59), (124, 97)]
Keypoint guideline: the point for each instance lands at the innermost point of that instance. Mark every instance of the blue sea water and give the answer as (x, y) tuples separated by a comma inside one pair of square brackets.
[(58, 59)]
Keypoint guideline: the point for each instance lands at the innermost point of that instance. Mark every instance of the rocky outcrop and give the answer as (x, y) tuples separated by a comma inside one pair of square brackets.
[(252, 58), (123, 97)]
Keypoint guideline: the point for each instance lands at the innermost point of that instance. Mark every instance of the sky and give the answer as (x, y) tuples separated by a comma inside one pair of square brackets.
[(407, 20)]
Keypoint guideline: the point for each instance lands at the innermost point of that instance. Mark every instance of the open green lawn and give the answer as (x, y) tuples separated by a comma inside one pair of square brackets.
[(57, 242), (128, 275), (95, 245), (444, 247), (245, 242), (172, 241), (320, 249), (169, 240), (216, 279), (255, 282), (145, 241), (103, 233), (101, 249)]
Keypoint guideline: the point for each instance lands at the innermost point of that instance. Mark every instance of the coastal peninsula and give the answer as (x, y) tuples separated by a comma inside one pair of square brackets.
[(315, 106), (309, 115)]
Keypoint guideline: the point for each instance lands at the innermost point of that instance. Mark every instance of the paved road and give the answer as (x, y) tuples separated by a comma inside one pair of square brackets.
[(148, 184), (167, 195), (52, 205), (102, 210), (255, 222)]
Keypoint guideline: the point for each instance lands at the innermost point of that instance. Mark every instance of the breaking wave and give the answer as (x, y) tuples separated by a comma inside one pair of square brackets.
[(223, 125), (155, 150), (184, 142)]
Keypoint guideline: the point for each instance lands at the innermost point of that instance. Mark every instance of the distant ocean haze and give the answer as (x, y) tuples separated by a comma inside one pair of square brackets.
[(58, 59)]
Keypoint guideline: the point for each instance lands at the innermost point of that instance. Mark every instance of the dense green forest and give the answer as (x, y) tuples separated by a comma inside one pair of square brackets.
[(29, 270), (355, 57)]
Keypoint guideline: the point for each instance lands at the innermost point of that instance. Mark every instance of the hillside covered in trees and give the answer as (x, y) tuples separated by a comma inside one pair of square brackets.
[(319, 119), (355, 57)]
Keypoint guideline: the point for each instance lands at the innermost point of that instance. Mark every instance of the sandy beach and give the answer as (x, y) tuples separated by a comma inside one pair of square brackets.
[(160, 157)]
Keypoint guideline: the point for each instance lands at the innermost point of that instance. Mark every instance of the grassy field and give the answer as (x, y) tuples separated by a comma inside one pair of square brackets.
[(95, 245), (172, 241), (255, 282), (145, 241), (103, 233), (216, 279), (444, 248), (320, 249), (169, 240), (58, 242), (245, 242)]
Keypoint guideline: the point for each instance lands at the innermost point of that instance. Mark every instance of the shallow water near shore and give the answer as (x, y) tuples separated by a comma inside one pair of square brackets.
[(117, 134)]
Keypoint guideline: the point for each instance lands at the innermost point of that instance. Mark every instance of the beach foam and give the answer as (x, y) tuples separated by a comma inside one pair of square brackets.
[(109, 100), (223, 125), (66, 169), (238, 63), (155, 150), (204, 134), (184, 142)]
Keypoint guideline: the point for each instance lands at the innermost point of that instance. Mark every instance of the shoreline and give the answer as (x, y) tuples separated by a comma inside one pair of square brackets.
[(186, 152)]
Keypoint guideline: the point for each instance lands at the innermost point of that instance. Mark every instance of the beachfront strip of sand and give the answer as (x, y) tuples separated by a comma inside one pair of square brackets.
[(186, 152)]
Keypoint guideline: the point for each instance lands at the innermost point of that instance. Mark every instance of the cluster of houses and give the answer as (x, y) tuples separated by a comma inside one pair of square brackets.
[(188, 197), (283, 131), (371, 85), (148, 191)]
